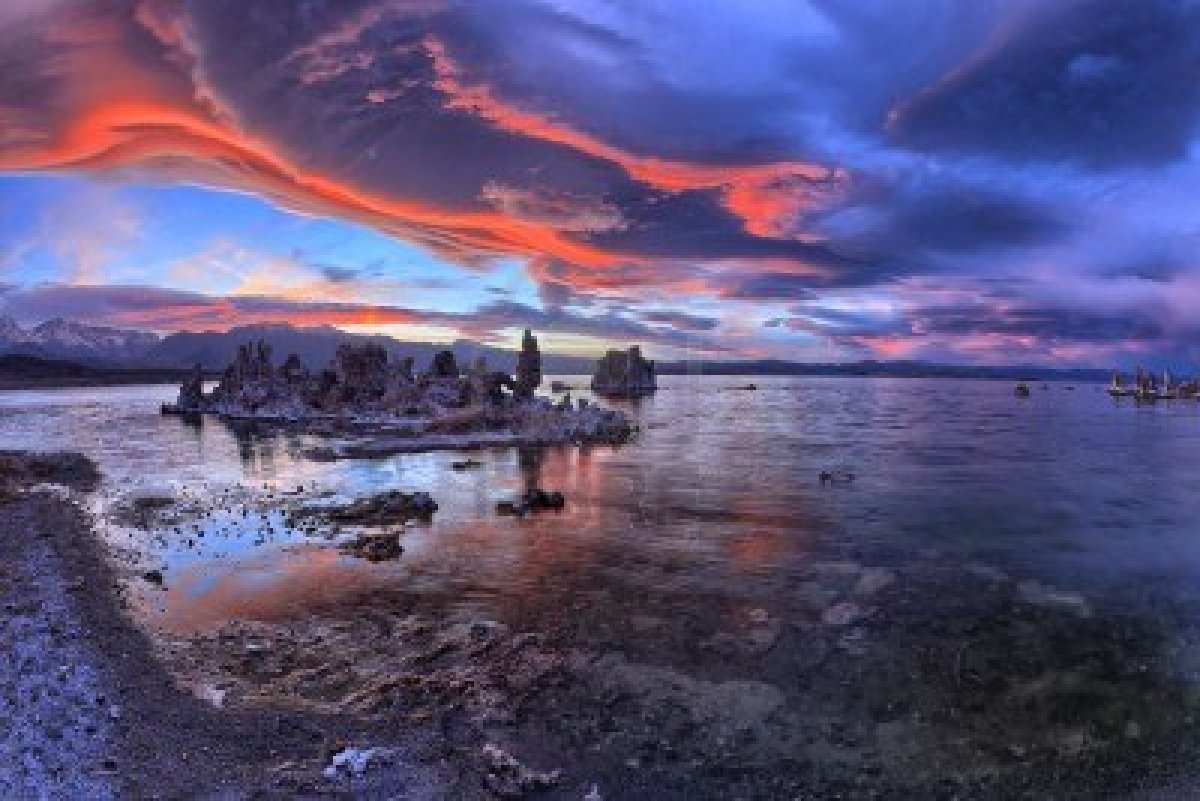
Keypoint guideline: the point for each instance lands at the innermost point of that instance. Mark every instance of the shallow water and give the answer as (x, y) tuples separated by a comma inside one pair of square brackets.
[(722, 484), (713, 513)]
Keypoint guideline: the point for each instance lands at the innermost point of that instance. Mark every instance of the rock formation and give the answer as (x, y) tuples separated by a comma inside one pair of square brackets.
[(444, 365), (293, 372), (365, 387), (624, 374), (191, 393), (529, 367), (362, 371)]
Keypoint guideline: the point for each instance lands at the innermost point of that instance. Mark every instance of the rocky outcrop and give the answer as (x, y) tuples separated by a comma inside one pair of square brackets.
[(362, 371), (191, 392), (444, 365), (624, 374), (529, 367), (365, 387)]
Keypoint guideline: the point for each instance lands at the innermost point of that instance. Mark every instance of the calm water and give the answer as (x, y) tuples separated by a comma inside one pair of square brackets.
[(718, 497), (1042, 559)]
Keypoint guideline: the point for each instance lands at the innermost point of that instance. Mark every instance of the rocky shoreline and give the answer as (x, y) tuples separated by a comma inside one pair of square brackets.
[(924, 679), (91, 711)]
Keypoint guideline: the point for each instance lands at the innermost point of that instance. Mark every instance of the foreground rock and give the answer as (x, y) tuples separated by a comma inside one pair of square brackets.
[(364, 389), (20, 470), (624, 374), (387, 508)]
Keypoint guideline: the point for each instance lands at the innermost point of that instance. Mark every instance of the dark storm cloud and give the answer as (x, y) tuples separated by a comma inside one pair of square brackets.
[(767, 286), (899, 223), (386, 123), (983, 311), (503, 314), (767, 155), (1056, 322), (680, 320), (1101, 82)]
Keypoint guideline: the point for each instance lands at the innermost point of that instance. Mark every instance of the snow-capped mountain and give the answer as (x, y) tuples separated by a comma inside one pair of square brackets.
[(66, 339)]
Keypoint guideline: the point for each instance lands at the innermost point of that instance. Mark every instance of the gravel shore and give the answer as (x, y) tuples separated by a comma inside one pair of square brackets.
[(90, 712), (921, 680)]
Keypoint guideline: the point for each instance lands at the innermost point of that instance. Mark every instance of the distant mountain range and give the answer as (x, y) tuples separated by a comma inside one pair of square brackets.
[(64, 339), (111, 348), (316, 348), (28, 372), (898, 369)]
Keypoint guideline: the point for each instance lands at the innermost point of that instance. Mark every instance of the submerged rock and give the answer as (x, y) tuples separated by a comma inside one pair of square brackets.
[(842, 614), (508, 778), (375, 547), (1040, 595), (356, 761)]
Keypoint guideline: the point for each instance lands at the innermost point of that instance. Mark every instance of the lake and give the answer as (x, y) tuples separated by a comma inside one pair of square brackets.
[(920, 595)]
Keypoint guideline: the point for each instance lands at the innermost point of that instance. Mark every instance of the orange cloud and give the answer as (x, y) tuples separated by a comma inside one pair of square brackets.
[(218, 314), (766, 197), (171, 140)]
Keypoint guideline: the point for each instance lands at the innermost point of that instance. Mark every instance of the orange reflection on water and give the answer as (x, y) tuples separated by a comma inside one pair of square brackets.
[(269, 586)]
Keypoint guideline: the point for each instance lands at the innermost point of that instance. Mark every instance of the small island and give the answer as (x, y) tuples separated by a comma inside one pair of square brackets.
[(365, 390), (624, 374)]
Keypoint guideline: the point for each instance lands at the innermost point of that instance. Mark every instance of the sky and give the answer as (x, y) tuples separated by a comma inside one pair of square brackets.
[(972, 181)]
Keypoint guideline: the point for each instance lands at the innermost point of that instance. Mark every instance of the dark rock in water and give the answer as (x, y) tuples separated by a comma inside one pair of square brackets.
[(386, 508), (509, 508), (154, 577), (536, 500), (532, 500), (624, 374), (746, 387), (836, 477), (466, 464), (375, 547), (191, 392)]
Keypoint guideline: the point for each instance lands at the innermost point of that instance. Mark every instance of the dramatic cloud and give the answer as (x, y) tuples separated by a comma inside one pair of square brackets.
[(1109, 82), (821, 173)]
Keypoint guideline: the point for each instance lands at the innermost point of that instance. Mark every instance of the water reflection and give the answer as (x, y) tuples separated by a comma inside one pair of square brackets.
[(1066, 486)]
